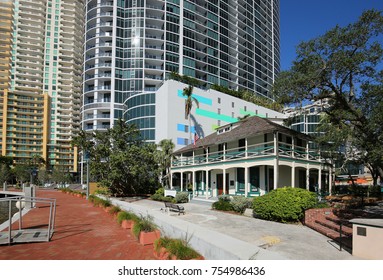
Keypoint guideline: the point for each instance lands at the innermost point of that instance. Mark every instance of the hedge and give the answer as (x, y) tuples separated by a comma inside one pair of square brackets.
[(284, 204)]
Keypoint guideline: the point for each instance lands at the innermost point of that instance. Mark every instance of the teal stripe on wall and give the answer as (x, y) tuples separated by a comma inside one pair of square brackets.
[(215, 116), (200, 99)]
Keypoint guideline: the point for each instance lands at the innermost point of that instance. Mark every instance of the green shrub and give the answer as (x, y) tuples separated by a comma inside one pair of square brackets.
[(160, 191), (182, 197), (169, 199), (321, 205), (157, 197), (102, 191), (105, 203), (240, 203), (374, 191), (176, 247), (222, 205), (99, 201), (284, 205), (224, 197), (144, 224), (114, 210), (126, 216)]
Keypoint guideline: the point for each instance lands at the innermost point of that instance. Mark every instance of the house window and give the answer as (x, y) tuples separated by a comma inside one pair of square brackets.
[(232, 104), (241, 144), (219, 100)]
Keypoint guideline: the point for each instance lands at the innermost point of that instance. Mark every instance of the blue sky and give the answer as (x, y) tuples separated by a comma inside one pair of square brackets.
[(302, 20)]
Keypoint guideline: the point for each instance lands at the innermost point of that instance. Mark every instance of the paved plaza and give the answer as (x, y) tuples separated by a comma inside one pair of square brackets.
[(85, 232)]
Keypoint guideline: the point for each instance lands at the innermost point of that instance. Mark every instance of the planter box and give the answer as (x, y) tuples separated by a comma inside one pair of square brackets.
[(163, 254), (147, 238), (127, 224)]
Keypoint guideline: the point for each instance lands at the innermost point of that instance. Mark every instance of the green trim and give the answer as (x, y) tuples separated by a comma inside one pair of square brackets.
[(215, 116), (243, 112)]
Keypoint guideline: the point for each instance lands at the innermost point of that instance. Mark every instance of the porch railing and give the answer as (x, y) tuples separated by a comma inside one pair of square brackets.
[(253, 151)]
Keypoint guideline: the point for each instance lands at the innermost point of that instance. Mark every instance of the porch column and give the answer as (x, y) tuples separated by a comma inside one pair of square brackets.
[(171, 179), (246, 147), (293, 147), (308, 177), (276, 173), (193, 183), (206, 185), (262, 178), (193, 157), (293, 175), (319, 179), (307, 150), (246, 181), (224, 181), (276, 150), (182, 181)]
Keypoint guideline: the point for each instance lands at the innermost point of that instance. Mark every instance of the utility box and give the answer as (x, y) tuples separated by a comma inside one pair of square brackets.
[(367, 236)]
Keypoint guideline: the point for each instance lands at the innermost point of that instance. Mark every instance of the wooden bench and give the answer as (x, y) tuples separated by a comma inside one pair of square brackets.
[(174, 207)]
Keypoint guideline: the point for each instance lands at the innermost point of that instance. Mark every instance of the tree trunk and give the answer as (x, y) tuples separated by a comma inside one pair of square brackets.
[(190, 137)]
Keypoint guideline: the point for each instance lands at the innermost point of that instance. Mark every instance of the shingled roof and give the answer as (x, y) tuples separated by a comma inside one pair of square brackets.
[(245, 128)]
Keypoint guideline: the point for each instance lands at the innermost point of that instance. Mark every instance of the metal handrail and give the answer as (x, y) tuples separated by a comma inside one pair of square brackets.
[(33, 200)]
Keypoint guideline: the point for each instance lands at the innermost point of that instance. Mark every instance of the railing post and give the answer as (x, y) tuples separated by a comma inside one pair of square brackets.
[(10, 222)]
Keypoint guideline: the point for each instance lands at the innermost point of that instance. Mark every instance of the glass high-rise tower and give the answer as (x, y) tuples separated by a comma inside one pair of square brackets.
[(132, 46)]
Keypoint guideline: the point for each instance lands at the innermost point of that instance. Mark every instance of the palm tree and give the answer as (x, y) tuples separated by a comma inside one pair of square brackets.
[(188, 93), (167, 147)]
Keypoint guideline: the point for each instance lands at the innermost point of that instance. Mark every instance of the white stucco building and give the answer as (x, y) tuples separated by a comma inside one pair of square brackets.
[(215, 109)]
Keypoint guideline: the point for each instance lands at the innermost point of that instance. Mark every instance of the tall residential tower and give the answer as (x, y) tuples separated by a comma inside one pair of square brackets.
[(132, 46), (41, 105)]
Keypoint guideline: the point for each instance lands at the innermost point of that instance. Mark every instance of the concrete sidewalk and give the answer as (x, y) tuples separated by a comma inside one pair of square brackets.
[(219, 235)]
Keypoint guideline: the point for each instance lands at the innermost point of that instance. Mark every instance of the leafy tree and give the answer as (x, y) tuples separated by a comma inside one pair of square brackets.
[(165, 158), (120, 160), (343, 67), (190, 99), (5, 169), (5, 173), (22, 172), (6, 160), (43, 175)]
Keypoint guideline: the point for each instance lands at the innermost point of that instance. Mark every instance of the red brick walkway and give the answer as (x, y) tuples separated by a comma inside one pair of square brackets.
[(82, 232)]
